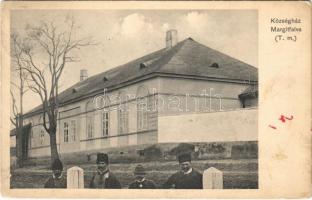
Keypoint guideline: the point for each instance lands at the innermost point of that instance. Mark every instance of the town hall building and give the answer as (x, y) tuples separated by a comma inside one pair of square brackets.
[(185, 92)]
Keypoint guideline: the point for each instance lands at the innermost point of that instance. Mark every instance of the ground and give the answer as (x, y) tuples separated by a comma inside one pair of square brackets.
[(237, 173)]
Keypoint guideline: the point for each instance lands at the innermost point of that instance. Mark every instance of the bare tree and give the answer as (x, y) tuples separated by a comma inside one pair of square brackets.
[(18, 86), (52, 46)]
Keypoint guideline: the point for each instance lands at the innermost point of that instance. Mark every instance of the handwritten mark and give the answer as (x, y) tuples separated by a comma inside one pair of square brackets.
[(283, 119), (272, 126)]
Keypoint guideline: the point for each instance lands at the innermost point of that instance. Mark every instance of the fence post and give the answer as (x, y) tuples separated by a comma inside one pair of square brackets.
[(75, 177), (212, 179)]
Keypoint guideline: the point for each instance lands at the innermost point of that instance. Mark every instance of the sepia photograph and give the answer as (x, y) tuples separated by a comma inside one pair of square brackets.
[(155, 99), (134, 99)]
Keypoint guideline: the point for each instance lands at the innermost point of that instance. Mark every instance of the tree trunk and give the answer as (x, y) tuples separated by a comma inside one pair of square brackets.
[(19, 151), (53, 145)]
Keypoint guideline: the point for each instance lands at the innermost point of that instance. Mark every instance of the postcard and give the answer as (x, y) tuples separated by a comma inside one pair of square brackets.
[(156, 99)]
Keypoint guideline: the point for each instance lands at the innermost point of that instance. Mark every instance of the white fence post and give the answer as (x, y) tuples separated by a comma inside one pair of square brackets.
[(212, 179), (75, 178)]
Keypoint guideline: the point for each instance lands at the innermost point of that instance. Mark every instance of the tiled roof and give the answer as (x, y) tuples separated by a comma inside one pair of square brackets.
[(187, 58)]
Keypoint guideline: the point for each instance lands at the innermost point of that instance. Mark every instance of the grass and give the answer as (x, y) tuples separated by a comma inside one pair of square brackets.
[(236, 173)]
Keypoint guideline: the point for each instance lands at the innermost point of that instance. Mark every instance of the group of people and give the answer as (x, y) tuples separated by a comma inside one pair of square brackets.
[(186, 178)]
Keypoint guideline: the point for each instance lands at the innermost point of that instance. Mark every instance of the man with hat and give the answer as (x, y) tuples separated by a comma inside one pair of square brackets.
[(103, 178), (57, 180), (187, 177), (140, 181)]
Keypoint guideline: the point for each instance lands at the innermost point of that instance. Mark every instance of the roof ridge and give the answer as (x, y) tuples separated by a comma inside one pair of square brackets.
[(129, 62), (118, 68), (172, 51), (187, 57), (79, 83), (177, 48), (178, 45), (223, 54)]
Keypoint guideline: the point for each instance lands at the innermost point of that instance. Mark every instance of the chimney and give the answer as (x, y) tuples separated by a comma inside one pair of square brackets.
[(171, 38), (83, 74)]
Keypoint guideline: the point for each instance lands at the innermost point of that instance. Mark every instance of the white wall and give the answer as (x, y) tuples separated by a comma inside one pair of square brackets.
[(191, 86), (239, 125), (187, 95), (77, 110)]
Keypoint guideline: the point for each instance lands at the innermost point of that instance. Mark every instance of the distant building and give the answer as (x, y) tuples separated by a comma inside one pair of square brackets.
[(184, 82)]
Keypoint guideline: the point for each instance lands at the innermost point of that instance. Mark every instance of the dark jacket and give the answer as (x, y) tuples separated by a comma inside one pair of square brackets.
[(179, 180), (102, 181), (56, 183), (145, 184)]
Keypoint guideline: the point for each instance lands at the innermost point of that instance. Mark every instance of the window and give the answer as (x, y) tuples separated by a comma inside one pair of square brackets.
[(41, 136), (65, 132), (143, 106), (73, 130), (105, 123), (90, 119), (89, 127), (123, 120), (123, 113), (142, 114)]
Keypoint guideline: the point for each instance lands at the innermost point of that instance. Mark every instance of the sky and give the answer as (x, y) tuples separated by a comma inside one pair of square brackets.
[(124, 35)]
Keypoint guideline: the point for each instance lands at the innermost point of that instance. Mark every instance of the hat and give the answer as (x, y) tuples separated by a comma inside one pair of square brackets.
[(139, 170), (57, 165), (102, 157), (184, 158)]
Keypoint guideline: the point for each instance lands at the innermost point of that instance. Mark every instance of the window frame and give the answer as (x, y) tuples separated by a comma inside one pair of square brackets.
[(142, 106), (105, 129), (73, 130), (66, 132), (90, 126), (41, 136), (123, 121)]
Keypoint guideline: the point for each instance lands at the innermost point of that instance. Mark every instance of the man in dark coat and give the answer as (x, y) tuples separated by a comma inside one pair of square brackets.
[(187, 177), (57, 180), (103, 178), (140, 181)]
